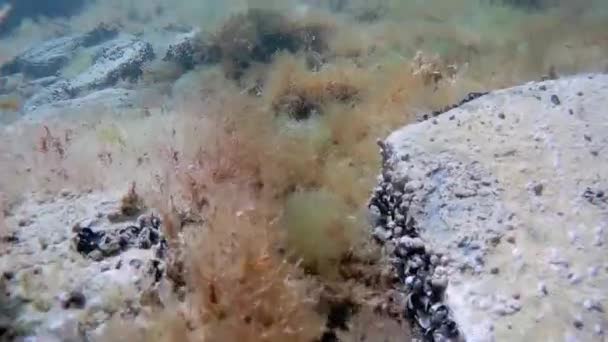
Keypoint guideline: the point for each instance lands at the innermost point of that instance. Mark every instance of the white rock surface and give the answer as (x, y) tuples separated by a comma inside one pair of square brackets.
[(514, 188), (111, 100), (41, 268), (117, 59), (47, 58)]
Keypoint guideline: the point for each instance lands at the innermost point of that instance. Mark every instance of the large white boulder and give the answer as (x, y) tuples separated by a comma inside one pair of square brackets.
[(513, 189)]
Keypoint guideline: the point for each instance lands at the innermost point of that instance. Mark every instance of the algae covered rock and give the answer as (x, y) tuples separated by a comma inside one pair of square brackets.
[(48, 58), (118, 59)]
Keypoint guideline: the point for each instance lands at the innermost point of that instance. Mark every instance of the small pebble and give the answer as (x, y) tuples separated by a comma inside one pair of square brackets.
[(593, 271), (135, 263), (495, 240), (399, 217), (572, 236), (434, 260), (578, 323), (555, 100), (382, 234), (501, 116), (439, 284), (11, 238), (24, 222), (598, 241), (542, 289), (592, 305), (96, 255), (575, 278), (538, 189), (413, 186), (494, 270)]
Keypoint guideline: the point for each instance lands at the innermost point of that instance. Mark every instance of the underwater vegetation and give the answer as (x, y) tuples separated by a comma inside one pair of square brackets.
[(264, 174), (255, 37), (252, 38)]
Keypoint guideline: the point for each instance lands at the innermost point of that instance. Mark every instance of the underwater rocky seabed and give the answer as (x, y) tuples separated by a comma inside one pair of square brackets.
[(204, 171), (510, 188)]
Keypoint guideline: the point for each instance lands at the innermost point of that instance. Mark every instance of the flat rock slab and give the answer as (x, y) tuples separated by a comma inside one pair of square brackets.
[(513, 188), (115, 58), (51, 291), (47, 58), (111, 100), (118, 59)]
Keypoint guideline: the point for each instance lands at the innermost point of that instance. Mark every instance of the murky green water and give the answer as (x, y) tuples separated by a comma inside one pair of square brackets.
[(308, 85)]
